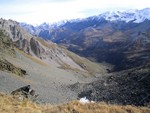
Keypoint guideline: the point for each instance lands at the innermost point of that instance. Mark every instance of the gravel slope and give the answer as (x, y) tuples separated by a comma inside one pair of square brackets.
[(49, 81)]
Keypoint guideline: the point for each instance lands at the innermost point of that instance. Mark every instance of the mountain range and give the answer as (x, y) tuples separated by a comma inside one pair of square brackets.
[(119, 34), (135, 16)]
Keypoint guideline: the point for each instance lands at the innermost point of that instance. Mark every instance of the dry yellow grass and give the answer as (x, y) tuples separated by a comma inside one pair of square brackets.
[(76, 107), (9, 104)]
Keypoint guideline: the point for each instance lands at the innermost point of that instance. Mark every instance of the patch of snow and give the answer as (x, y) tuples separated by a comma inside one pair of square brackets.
[(137, 16), (92, 101), (84, 100)]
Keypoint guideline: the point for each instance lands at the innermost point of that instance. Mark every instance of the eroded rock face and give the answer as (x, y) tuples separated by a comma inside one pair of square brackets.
[(35, 47), (23, 45), (6, 44), (22, 40)]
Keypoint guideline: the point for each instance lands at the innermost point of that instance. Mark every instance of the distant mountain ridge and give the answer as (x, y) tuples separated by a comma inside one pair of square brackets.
[(134, 15)]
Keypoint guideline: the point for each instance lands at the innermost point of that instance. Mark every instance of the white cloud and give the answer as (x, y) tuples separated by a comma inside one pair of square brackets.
[(37, 11)]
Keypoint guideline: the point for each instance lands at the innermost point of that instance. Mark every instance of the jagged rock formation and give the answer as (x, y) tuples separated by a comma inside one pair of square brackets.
[(35, 47)]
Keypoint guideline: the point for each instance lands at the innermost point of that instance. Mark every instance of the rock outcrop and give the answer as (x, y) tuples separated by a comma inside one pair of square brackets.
[(6, 44), (25, 92), (7, 66), (7, 48), (35, 47)]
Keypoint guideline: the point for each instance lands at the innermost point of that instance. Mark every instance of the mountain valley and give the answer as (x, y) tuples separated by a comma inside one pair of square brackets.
[(106, 36), (105, 58)]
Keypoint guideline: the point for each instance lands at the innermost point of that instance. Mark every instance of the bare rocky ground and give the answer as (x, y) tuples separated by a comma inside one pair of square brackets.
[(128, 87), (49, 81), (56, 85)]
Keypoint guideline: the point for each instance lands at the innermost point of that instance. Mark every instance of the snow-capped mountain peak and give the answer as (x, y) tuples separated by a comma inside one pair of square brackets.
[(137, 16)]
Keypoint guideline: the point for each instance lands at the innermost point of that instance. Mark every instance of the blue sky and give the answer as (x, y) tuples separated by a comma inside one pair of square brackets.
[(39, 11)]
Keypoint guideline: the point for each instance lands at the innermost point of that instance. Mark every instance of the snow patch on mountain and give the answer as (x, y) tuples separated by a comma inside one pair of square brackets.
[(136, 16)]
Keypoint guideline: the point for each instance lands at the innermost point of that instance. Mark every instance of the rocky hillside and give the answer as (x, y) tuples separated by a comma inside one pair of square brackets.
[(56, 73), (48, 68), (128, 87), (44, 50), (7, 48)]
